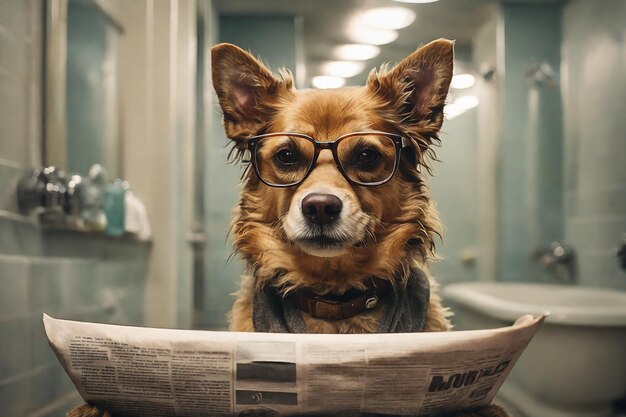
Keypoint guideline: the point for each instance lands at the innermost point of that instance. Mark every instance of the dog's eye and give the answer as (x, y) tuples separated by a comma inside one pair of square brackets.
[(368, 156), (286, 157)]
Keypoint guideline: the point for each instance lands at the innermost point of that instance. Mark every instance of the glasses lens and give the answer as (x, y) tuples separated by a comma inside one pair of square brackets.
[(283, 159), (367, 158)]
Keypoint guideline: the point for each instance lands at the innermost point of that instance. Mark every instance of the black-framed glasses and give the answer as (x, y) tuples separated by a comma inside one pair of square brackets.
[(285, 159)]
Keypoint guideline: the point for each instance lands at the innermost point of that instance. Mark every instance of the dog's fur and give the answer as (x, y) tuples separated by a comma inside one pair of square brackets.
[(385, 230)]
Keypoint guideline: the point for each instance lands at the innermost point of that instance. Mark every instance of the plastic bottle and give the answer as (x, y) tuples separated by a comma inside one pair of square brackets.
[(114, 207)]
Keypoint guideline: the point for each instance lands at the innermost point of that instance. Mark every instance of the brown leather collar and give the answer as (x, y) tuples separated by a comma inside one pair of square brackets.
[(342, 307)]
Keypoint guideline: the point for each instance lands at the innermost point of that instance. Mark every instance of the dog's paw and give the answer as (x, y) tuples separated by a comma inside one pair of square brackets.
[(87, 410), (487, 411)]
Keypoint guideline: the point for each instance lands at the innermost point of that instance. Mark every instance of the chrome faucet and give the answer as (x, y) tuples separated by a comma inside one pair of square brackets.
[(59, 201), (621, 253), (558, 259), (44, 189)]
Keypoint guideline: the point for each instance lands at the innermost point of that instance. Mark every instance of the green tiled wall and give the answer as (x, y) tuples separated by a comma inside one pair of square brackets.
[(454, 190), (531, 36), (594, 49), (67, 275)]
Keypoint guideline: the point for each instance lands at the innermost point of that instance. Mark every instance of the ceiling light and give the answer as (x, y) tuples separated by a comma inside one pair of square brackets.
[(343, 69), (416, 1), (467, 102), (461, 81), (451, 111), (388, 17), (460, 106), (357, 32), (327, 81), (357, 52)]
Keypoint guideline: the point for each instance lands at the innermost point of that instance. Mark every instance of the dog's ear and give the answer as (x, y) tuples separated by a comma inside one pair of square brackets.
[(246, 89), (418, 85)]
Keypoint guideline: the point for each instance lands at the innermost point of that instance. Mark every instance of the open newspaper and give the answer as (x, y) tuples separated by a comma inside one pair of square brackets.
[(141, 372)]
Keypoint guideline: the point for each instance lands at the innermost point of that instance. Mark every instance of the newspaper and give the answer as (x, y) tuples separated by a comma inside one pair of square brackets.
[(147, 372)]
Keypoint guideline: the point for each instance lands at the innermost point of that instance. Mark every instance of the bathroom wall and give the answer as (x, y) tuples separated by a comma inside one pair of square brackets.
[(594, 97), (65, 274), (519, 157), (551, 155), (454, 189), (485, 47), (528, 180), (274, 39), (158, 67)]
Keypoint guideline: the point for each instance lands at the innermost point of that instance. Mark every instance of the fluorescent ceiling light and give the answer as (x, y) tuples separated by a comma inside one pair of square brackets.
[(358, 32), (460, 106), (356, 52), (327, 81), (343, 69), (388, 17), (451, 111), (461, 81), (467, 102), (416, 1)]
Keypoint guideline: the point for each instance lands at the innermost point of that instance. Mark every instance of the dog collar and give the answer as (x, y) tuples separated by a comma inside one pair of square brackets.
[(347, 305)]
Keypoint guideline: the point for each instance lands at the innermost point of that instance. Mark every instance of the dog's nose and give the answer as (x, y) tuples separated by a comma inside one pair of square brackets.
[(321, 208)]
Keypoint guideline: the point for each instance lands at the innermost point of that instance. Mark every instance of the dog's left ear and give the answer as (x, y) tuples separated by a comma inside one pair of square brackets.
[(418, 85)]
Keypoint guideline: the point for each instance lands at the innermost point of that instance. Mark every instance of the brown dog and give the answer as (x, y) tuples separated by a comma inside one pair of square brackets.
[(348, 232), (335, 223), (334, 217)]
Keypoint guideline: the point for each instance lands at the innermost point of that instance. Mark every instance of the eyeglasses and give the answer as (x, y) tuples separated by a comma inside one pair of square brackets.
[(365, 158)]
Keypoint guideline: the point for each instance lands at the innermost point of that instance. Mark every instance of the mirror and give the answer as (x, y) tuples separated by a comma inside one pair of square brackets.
[(83, 111)]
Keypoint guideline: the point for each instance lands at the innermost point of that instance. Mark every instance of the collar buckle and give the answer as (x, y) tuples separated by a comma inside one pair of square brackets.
[(371, 302)]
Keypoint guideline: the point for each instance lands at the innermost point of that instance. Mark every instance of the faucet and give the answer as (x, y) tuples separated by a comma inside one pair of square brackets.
[(558, 259), (621, 253), (46, 190)]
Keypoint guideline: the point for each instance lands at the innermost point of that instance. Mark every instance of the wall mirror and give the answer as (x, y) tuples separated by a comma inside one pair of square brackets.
[(83, 103)]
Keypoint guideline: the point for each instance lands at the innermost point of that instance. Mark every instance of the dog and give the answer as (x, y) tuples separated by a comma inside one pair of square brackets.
[(335, 222)]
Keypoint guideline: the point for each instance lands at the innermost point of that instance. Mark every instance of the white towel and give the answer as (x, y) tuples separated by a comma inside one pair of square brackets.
[(136, 218)]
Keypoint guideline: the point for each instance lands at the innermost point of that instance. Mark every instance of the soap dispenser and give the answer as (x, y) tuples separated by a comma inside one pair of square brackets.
[(114, 207)]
